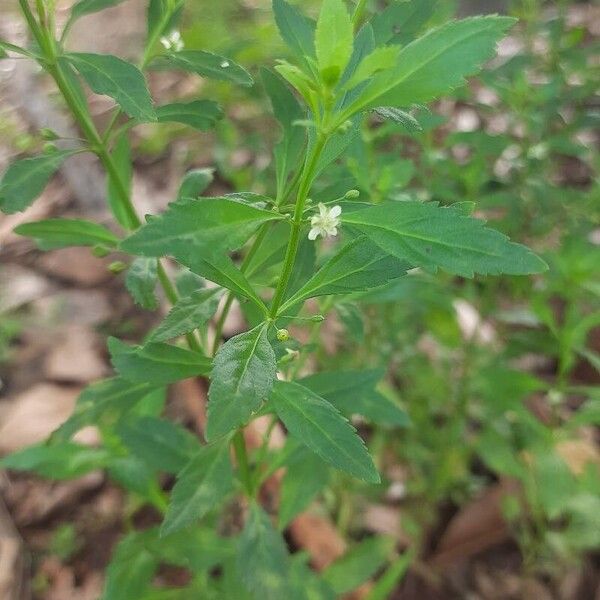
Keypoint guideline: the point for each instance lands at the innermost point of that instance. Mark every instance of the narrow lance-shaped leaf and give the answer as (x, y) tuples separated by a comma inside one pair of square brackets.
[(187, 314), (401, 22), (158, 363), (59, 233), (360, 265), (435, 63), (297, 30), (86, 7), (205, 64), (317, 424), (262, 558), (242, 378), (141, 281), (428, 236), (199, 114), (25, 179), (333, 39), (114, 77), (399, 116), (200, 487)]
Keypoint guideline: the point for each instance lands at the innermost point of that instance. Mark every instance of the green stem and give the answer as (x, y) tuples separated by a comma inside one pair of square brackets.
[(241, 454), (306, 181)]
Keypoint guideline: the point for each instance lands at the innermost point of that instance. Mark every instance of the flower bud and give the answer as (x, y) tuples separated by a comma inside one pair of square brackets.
[(283, 335), (351, 194), (100, 251), (49, 135), (117, 267)]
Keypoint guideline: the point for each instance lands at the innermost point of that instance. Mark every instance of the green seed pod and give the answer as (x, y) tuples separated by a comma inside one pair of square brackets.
[(117, 267), (283, 335), (50, 148), (351, 194), (100, 251), (49, 135)]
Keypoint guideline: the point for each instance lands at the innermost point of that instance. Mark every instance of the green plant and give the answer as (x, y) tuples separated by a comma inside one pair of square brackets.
[(344, 68)]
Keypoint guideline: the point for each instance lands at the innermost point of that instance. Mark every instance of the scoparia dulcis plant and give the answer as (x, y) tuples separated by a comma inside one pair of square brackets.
[(344, 67)]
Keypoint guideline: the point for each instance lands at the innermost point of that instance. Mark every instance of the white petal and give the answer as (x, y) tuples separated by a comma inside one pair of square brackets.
[(313, 234), (323, 210), (336, 211)]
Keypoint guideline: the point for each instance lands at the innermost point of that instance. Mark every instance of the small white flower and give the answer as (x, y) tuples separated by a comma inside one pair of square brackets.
[(325, 223), (172, 41)]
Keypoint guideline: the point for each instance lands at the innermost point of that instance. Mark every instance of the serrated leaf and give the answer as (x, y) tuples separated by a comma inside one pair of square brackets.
[(428, 236), (359, 564), (66, 460), (317, 424), (102, 403), (141, 281), (401, 22), (296, 30), (191, 228), (402, 117), (334, 38), (353, 392), (187, 314), (123, 82), (360, 265), (306, 475), (205, 64), (60, 233), (435, 63), (161, 444), (199, 114), (242, 378), (86, 7), (201, 486), (195, 182), (119, 184), (262, 557), (25, 179), (156, 363)]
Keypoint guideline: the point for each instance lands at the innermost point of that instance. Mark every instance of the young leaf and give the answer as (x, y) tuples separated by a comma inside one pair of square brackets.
[(435, 63), (191, 229), (66, 460), (242, 378), (401, 22), (262, 559), (353, 392), (60, 233), (334, 38), (86, 7), (360, 265), (157, 364), (205, 64), (317, 424), (195, 182), (188, 314), (399, 116), (199, 114), (429, 236), (161, 444), (380, 59), (141, 282), (305, 477), (296, 30), (114, 77), (359, 564), (25, 179), (201, 486)]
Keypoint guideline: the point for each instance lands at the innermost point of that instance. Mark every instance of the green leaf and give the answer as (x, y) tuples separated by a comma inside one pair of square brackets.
[(60, 233), (305, 477), (429, 236), (86, 7), (190, 229), (401, 22), (66, 460), (389, 113), (157, 364), (288, 112), (199, 114), (359, 564), (141, 282), (353, 392), (262, 558), (189, 313), (360, 265), (334, 39), (380, 59), (242, 378), (205, 64), (103, 403), (435, 63), (161, 444), (200, 487), (317, 424), (25, 179), (296, 30), (114, 77), (195, 182)]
